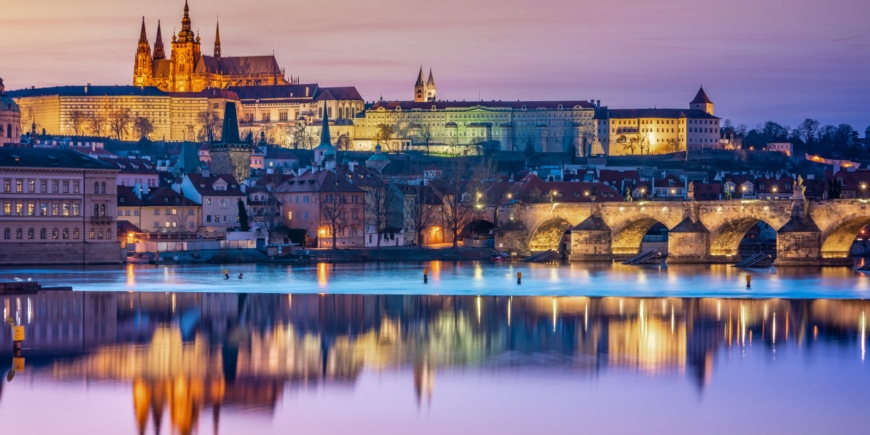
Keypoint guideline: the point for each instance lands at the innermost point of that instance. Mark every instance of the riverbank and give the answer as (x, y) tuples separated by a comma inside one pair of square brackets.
[(401, 254)]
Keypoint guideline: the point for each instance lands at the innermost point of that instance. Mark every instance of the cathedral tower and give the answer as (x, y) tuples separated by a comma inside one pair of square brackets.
[(142, 72), (185, 55), (159, 53)]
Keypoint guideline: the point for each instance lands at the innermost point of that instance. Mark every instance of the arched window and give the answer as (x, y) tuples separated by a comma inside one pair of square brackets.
[(320, 113), (6, 234), (18, 233), (9, 131), (55, 234), (75, 233), (96, 187), (102, 187), (30, 233), (102, 209), (96, 210), (42, 233), (329, 109), (65, 233)]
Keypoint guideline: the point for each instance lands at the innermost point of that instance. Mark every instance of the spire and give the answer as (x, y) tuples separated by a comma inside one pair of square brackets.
[(159, 54), (419, 78), (217, 43), (142, 37), (701, 97), (325, 139), (431, 82), (230, 132), (185, 35)]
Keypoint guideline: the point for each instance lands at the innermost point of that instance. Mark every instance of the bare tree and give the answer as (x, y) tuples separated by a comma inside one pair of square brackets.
[(182, 214), (97, 122), (384, 133), (142, 126), (119, 121), (210, 122), (627, 144), (419, 201), (76, 121), (423, 135), (457, 209), (333, 207), (382, 205)]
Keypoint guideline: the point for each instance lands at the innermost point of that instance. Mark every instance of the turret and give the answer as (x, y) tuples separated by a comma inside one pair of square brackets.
[(420, 88), (142, 71), (186, 34), (702, 102)]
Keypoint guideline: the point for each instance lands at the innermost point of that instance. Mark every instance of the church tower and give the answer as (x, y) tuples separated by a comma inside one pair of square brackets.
[(230, 155), (430, 87), (420, 88), (142, 72), (702, 102), (159, 53), (185, 55)]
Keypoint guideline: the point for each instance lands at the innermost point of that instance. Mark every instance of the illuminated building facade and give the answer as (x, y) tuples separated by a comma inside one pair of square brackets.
[(188, 70), (92, 110), (10, 118), (657, 131), (56, 207)]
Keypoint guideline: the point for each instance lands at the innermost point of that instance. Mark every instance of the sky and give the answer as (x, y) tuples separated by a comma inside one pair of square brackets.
[(758, 60)]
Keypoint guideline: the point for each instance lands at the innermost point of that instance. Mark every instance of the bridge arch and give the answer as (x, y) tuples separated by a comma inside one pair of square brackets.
[(548, 235), (837, 243), (627, 238), (725, 240)]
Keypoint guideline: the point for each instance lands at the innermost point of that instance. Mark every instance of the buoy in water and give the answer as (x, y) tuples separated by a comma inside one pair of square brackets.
[(519, 277)]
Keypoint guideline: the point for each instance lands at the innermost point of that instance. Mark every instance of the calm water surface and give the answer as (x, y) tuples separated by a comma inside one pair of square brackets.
[(371, 349), (487, 279)]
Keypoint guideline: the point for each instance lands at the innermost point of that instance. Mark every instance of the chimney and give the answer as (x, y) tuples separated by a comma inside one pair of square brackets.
[(306, 91)]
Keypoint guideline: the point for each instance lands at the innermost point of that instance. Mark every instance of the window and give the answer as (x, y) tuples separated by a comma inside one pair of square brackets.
[(54, 233), (30, 233), (191, 212), (265, 117), (290, 215), (96, 210), (6, 234), (42, 233), (100, 234), (135, 212), (75, 209), (102, 209), (55, 209), (31, 209), (96, 188), (282, 116), (43, 186), (66, 187), (65, 208), (77, 187), (208, 218), (31, 186), (18, 233), (156, 224), (208, 201), (102, 187), (190, 225), (7, 208), (305, 215), (66, 233), (75, 233), (7, 186), (19, 186)]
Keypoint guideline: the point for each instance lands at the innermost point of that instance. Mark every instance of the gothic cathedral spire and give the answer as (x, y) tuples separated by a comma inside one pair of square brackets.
[(186, 34), (217, 43), (159, 53), (142, 72)]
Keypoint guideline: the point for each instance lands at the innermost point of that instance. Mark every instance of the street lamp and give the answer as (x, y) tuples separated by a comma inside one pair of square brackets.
[(863, 190)]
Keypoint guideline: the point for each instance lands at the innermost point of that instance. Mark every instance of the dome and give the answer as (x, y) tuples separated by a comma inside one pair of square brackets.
[(378, 157), (7, 104), (867, 129)]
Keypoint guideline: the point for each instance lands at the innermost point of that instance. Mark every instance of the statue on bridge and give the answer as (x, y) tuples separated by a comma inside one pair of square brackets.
[(798, 189), (628, 194)]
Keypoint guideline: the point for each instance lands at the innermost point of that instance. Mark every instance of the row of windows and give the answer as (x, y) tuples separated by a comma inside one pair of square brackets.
[(55, 208), (57, 186), (55, 234), (217, 218), (174, 225)]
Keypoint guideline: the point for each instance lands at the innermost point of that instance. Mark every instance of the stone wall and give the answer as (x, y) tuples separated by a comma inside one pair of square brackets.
[(37, 253)]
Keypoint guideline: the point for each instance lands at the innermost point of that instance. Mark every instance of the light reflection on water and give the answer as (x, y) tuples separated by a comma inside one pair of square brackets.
[(128, 363), (470, 278)]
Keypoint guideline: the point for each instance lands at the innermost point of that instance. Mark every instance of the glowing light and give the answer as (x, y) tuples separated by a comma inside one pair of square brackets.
[(863, 335), (478, 309), (554, 314), (510, 301)]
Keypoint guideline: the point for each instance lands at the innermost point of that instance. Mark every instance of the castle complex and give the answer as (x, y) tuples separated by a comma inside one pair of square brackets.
[(188, 70)]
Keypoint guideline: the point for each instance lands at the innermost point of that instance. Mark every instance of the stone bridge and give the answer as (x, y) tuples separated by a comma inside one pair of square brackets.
[(808, 232)]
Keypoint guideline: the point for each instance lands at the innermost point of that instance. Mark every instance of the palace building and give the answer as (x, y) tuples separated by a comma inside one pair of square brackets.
[(467, 127), (188, 70), (657, 131)]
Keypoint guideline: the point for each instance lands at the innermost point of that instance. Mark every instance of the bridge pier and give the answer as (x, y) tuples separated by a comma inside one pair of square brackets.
[(591, 240), (799, 243), (689, 242)]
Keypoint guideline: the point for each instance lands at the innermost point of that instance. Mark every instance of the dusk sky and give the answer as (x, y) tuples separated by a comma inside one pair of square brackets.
[(784, 60)]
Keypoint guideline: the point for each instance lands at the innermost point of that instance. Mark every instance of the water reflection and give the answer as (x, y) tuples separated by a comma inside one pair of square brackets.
[(184, 354)]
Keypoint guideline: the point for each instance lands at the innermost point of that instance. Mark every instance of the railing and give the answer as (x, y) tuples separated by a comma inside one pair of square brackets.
[(101, 220), (194, 246)]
